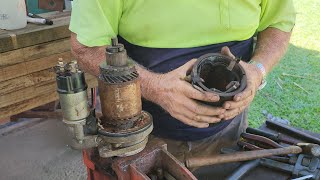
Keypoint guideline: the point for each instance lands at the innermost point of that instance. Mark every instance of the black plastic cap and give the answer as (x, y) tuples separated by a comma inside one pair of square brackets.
[(71, 83)]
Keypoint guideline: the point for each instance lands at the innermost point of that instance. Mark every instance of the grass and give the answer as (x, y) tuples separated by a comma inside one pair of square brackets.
[(302, 59)]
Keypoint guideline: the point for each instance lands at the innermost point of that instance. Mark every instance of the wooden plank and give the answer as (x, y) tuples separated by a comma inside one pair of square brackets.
[(37, 78), (34, 34), (34, 52), (27, 93), (37, 101), (29, 67)]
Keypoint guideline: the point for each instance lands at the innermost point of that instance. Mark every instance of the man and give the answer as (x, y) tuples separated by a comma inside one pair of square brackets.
[(163, 36)]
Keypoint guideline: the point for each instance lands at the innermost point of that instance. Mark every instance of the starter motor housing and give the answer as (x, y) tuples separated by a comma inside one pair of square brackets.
[(219, 74)]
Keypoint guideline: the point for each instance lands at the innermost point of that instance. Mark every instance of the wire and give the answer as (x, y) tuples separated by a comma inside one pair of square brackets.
[(93, 97)]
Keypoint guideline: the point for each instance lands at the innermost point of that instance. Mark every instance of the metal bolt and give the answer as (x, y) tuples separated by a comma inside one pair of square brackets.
[(114, 41), (61, 65), (73, 66), (160, 173)]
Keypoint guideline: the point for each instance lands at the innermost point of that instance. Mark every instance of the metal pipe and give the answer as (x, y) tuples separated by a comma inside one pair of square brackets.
[(240, 156), (293, 132), (275, 137)]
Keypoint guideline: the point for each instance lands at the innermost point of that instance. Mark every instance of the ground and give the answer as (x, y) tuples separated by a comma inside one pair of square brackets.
[(302, 59), (37, 149)]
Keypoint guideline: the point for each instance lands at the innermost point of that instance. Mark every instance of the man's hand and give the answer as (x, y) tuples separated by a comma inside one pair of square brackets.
[(178, 97), (243, 99)]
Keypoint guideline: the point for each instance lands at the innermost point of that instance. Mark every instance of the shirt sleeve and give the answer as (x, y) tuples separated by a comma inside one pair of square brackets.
[(95, 21), (278, 14)]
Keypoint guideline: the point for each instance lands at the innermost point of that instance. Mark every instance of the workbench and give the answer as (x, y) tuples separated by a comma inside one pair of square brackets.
[(26, 59)]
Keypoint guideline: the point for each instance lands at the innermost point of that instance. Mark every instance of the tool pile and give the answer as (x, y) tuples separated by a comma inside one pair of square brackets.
[(300, 158)]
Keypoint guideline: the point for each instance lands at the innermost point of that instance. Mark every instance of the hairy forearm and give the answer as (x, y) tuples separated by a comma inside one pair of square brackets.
[(89, 58), (271, 46), (149, 81)]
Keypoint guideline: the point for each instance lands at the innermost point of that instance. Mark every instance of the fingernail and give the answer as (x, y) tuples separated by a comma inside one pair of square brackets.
[(221, 116), (222, 111), (238, 98), (227, 106)]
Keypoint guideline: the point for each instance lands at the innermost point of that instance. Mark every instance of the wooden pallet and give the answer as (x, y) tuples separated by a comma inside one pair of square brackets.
[(26, 60)]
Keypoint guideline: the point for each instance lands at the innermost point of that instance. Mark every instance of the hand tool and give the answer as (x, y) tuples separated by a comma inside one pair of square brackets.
[(250, 147), (275, 137), (293, 132), (240, 156), (312, 149), (305, 166), (260, 140), (250, 155), (309, 148)]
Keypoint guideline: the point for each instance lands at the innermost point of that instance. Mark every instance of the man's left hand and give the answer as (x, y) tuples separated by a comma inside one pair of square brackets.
[(242, 100)]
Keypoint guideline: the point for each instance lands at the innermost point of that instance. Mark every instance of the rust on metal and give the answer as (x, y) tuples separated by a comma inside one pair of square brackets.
[(120, 102), (153, 157)]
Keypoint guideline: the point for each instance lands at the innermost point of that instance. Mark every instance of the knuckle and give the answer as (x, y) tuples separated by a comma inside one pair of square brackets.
[(196, 109)]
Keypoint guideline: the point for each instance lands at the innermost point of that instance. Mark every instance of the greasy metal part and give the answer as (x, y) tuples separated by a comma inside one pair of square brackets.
[(124, 101), (277, 165), (153, 157), (307, 165), (244, 169), (116, 55), (240, 156), (122, 151), (267, 143), (219, 74), (125, 142), (297, 170), (113, 135), (72, 90), (74, 106), (124, 127), (293, 132), (275, 137), (302, 166)]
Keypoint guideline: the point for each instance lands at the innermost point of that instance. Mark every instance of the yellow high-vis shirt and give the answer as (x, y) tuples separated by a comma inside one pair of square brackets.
[(177, 23)]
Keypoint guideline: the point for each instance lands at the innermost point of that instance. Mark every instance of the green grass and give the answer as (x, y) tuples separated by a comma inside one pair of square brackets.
[(303, 59)]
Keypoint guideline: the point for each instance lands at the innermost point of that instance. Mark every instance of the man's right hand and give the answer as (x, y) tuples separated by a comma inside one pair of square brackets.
[(178, 97)]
